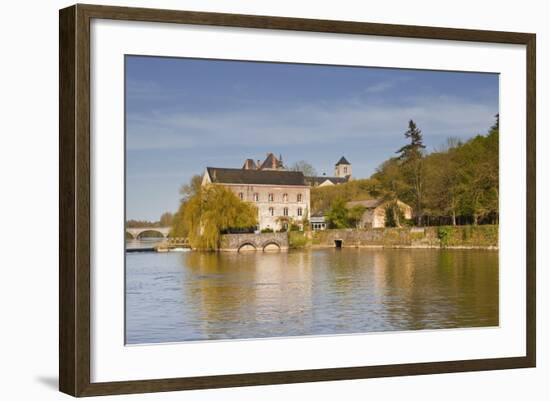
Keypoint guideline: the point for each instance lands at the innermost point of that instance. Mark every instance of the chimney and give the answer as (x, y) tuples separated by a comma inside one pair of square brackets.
[(259, 165)]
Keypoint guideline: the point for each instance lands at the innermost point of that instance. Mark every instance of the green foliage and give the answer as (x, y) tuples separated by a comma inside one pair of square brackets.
[(412, 167), (166, 219), (323, 197), (189, 190), (266, 230), (454, 185), (354, 215), (390, 217), (413, 150), (297, 240), (210, 211), (443, 233), (337, 215), (394, 215), (481, 235)]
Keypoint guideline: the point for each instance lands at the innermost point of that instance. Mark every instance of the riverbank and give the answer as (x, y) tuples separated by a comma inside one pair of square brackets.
[(448, 237)]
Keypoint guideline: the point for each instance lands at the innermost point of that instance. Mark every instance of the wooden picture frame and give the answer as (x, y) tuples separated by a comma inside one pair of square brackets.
[(74, 203)]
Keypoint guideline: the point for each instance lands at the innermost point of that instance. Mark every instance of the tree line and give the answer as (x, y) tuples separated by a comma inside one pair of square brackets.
[(456, 184), (165, 220)]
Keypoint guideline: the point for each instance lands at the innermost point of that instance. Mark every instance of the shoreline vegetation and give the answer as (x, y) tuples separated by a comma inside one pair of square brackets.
[(442, 237)]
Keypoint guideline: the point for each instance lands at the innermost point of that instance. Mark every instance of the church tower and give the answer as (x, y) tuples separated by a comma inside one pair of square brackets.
[(342, 168)]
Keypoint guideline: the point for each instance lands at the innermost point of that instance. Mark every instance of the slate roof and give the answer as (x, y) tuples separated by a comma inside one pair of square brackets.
[(250, 164), (369, 203), (259, 177), (343, 161), (319, 180), (271, 162)]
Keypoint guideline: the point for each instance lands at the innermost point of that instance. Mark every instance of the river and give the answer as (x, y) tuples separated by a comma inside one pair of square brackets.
[(182, 296)]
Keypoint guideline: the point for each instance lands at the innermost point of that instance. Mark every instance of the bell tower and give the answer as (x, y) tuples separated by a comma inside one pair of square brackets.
[(342, 168)]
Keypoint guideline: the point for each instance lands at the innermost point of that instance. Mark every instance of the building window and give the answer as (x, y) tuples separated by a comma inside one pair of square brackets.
[(241, 196), (256, 197), (299, 198), (271, 211), (299, 211), (270, 197), (345, 170), (285, 197), (285, 211)]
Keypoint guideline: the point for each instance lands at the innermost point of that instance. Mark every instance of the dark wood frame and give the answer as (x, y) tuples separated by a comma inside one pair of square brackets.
[(74, 199)]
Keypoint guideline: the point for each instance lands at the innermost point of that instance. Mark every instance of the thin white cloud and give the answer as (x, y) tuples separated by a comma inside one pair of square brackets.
[(380, 87), (308, 123)]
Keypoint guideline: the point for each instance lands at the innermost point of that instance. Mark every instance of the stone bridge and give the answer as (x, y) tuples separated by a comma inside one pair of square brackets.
[(254, 242), (135, 232)]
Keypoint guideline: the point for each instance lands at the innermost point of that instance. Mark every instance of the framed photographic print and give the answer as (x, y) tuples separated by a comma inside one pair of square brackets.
[(250, 200)]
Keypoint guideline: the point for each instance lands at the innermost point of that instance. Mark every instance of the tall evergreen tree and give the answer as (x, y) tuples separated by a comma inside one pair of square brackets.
[(414, 148), (411, 158)]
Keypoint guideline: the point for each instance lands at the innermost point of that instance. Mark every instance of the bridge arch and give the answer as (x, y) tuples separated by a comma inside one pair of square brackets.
[(271, 246), (136, 232), (160, 234), (246, 246)]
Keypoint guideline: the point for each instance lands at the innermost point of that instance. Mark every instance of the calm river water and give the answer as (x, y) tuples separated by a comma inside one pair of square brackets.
[(180, 296)]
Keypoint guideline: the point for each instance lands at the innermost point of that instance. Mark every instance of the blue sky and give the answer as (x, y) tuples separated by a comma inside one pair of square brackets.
[(185, 114)]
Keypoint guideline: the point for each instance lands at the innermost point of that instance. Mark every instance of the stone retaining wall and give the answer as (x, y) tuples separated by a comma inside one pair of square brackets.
[(485, 237)]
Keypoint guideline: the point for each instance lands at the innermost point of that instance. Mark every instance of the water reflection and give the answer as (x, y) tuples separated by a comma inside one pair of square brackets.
[(194, 295)]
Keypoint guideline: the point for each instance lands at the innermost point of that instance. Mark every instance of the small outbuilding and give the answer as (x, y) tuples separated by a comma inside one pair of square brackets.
[(374, 215)]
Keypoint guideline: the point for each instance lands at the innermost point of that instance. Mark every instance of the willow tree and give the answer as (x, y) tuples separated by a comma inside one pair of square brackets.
[(211, 211)]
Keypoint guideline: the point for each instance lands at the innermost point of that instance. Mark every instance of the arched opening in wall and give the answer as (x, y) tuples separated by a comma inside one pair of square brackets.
[(248, 247), (272, 247), (338, 243), (150, 234), (127, 235)]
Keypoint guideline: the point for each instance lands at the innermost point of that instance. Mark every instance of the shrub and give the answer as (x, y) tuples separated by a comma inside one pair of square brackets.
[(266, 230), (444, 233), (297, 240)]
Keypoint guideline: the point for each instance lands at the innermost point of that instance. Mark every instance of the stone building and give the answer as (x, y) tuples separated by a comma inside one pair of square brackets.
[(375, 212), (282, 197), (342, 174)]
